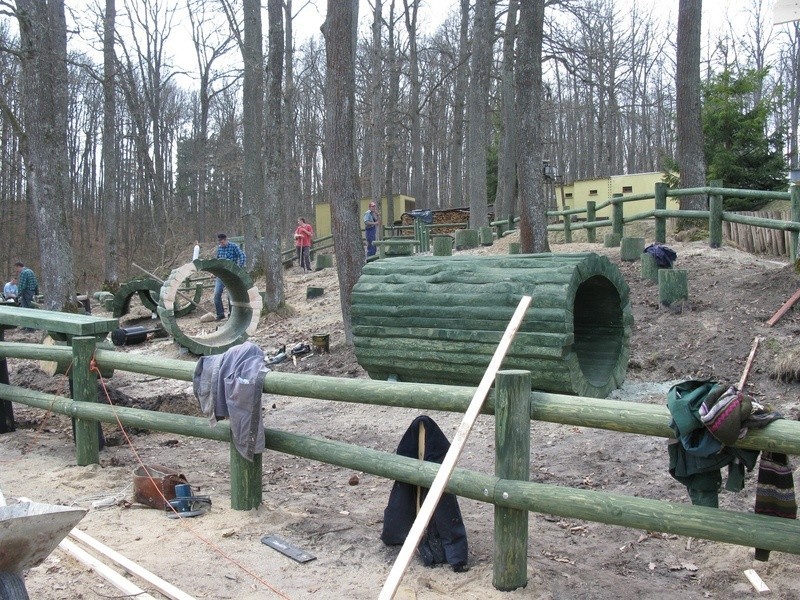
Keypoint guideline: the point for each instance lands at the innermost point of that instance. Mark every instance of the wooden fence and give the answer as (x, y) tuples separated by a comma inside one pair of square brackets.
[(746, 529)]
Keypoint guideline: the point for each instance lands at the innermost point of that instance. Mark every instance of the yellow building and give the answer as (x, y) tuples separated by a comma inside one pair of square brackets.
[(322, 212), (578, 193)]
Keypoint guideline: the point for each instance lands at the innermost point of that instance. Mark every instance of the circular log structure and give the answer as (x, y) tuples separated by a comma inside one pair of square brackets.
[(148, 290), (246, 304), (436, 319), (145, 287)]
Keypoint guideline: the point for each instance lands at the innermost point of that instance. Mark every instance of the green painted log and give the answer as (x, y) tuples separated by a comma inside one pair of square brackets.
[(188, 307), (513, 461), (673, 286), (144, 287), (467, 239), (631, 248), (442, 245), (514, 248), (323, 261), (649, 267), (246, 305), (611, 240), (486, 235), (574, 339), (84, 389)]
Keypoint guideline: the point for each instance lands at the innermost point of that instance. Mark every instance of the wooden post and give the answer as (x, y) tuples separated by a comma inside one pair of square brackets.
[(617, 223), (673, 286), (513, 450), (649, 267), (591, 215), (486, 235), (661, 204), (567, 227), (456, 448), (442, 245), (715, 216), (611, 240), (794, 236), (632, 248), (84, 389), (466, 239), (245, 480), (323, 261), (514, 248), (6, 407)]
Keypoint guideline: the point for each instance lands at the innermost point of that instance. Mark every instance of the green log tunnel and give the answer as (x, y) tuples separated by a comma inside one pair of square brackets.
[(246, 304), (148, 290), (433, 319)]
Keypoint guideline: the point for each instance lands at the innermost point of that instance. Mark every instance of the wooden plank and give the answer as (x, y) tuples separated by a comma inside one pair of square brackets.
[(756, 581), (166, 588), (784, 309), (59, 322), (106, 572), (452, 456)]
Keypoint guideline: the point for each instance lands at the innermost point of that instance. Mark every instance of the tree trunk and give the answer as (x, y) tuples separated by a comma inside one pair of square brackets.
[(253, 177), (689, 126), (505, 203), (460, 92), (417, 189), (375, 114), (273, 265), (43, 41), (477, 105), (110, 153), (340, 186), (533, 209)]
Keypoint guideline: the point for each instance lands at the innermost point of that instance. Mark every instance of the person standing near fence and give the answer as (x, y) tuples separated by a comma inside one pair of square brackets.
[(228, 251), (302, 241), (372, 220)]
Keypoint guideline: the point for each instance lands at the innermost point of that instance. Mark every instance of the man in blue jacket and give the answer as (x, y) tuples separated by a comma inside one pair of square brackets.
[(229, 251)]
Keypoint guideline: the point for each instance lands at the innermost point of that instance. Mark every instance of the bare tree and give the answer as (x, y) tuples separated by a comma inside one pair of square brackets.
[(110, 152), (416, 189), (375, 112), (505, 203), (459, 94), (689, 125), (273, 264), (42, 131), (340, 186), (533, 209), (477, 108)]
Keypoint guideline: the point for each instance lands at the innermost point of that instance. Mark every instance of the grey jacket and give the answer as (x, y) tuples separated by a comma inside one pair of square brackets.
[(230, 385)]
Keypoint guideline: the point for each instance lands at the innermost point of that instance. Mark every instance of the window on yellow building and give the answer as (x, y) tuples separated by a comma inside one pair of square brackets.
[(627, 189), (593, 192)]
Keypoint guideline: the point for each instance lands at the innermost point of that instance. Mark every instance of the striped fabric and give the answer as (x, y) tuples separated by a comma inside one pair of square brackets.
[(774, 491)]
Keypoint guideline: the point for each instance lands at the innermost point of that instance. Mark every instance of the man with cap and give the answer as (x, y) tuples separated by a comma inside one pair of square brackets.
[(228, 251), (372, 221)]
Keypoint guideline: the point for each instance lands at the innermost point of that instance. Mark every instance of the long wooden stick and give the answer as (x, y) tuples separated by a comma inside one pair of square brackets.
[(749, 364), (784, 309), (106, 572), (166, 588), (450, 459), (179, 293)]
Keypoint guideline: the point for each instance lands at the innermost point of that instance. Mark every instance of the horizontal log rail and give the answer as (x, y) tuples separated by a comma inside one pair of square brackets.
[(741, 528)]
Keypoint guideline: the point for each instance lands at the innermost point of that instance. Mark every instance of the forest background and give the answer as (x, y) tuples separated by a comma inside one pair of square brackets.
[(429, 120)]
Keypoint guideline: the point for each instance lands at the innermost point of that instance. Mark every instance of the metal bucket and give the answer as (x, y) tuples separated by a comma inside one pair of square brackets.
[(321, 343)]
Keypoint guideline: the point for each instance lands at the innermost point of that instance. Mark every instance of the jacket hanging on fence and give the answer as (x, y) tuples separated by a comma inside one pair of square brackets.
[(445, 539), (695, 455), (230, 385)]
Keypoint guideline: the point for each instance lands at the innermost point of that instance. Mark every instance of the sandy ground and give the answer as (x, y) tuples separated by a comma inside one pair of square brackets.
[(336, 514)]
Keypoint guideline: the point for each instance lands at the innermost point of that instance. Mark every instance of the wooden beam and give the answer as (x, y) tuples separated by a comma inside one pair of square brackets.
[(166, 588), (452, 456), (784, 309)]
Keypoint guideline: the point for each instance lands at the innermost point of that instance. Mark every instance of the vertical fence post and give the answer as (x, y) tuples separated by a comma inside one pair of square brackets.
[(6, 407), (715, 216), (84, 389), (616, 215), (661, 204), (591, 214), (794, 236), (513, 453), (567, 227), (245, 480)]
